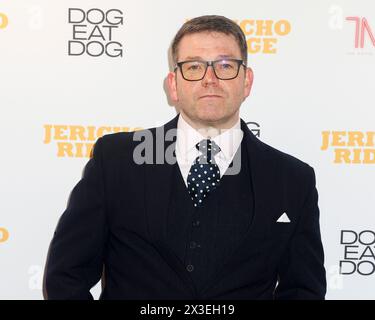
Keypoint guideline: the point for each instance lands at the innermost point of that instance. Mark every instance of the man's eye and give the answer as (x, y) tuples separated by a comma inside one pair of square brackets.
[(194, 67), (226, 66)]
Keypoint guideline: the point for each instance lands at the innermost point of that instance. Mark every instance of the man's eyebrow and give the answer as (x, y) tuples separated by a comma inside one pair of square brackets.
[(221, 56), (194, 58)]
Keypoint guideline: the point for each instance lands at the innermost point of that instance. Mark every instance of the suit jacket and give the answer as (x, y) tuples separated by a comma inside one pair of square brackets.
[(115, 226)]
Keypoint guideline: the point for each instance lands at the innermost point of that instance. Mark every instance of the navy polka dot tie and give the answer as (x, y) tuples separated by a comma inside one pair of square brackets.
[(204, 174)]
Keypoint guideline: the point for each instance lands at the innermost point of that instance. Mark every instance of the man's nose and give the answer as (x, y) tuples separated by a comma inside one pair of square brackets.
[(210, 77)]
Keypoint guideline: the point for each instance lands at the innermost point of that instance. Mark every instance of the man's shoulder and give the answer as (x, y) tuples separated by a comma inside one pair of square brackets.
[(286, 161), (121, 146), (293, 174), (125, 139)]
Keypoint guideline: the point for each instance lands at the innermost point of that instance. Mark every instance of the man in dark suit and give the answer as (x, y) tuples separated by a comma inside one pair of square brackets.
[(198, 208)]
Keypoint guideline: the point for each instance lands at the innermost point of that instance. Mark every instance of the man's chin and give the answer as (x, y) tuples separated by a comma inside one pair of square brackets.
[(210, 113), (206, 117), (211, 119)]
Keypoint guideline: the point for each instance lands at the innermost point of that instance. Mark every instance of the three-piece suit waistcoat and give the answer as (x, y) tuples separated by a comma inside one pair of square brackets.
[(203, 237)]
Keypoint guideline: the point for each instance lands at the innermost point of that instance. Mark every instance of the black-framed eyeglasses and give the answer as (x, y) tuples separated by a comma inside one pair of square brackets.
[(224, 69)]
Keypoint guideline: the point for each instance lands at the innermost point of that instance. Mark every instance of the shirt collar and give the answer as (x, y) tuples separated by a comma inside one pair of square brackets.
[(229, 140), (188, 137)]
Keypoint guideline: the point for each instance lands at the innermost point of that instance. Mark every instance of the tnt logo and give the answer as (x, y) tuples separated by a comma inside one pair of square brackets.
[(3, 20), (362, 27)]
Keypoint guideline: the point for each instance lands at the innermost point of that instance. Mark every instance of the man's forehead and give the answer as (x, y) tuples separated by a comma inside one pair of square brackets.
[(211, 37), (217, 45)]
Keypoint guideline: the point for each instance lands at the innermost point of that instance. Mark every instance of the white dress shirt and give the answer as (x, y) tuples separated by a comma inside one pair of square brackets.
[(188, 137)]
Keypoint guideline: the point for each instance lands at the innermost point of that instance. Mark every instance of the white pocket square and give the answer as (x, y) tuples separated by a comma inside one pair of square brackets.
[(283, 218)]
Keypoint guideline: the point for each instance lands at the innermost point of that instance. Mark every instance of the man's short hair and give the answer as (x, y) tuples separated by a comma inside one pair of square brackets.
[(211, 23)]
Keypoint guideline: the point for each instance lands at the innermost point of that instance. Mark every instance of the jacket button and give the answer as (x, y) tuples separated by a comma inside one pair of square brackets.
[(193, 244), (196, 223), (190, 267)]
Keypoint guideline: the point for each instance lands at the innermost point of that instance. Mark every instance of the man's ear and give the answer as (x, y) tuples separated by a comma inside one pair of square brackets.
[(172, 86), (249, 76)]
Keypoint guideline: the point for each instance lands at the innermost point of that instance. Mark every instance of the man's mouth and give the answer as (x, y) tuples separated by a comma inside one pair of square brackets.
[(210, 96)]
